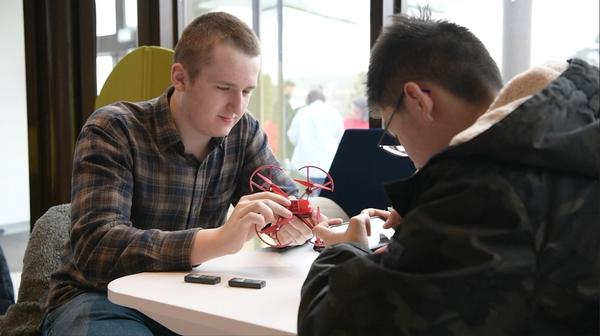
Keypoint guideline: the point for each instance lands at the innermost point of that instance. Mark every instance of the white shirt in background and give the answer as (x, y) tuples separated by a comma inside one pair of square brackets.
[(315, 131)]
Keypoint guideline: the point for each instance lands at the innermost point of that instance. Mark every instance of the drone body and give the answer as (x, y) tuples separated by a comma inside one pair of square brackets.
[(262, 179)]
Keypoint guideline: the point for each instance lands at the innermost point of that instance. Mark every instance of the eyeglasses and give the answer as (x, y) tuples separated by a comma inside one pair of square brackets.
[(394, 149)]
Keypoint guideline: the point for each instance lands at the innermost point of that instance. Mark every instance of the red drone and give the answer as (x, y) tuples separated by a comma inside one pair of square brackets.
[(262, 179)]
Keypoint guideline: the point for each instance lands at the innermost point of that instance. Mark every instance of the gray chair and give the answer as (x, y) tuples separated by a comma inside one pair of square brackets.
[(42, 258)]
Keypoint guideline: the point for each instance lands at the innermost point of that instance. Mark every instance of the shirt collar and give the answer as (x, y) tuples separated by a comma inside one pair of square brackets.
[(166, 130)]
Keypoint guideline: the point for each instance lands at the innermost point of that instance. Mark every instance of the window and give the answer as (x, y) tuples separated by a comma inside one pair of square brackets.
[(524, 33), (116, 34), (307, 45), (561, 30)]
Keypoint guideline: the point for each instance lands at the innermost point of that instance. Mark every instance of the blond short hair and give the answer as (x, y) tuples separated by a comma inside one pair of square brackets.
[(199, 38)]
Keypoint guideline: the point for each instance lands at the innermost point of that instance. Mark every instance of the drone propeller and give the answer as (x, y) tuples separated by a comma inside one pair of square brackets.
[(268, 185), (313, 185)]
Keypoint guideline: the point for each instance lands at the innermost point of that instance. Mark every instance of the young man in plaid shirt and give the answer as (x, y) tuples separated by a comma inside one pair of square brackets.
[(152, 181)]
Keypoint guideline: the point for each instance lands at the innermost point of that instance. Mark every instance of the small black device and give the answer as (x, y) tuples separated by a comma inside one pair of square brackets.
[(202, 278), (247, 283)]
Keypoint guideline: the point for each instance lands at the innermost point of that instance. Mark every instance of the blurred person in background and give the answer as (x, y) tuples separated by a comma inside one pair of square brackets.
[(315, 132), (358, 117)]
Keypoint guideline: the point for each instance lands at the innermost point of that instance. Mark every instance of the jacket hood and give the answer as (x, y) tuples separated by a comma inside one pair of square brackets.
[(544, 118)]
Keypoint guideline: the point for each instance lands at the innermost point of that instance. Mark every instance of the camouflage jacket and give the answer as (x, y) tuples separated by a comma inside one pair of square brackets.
[(500, 234)]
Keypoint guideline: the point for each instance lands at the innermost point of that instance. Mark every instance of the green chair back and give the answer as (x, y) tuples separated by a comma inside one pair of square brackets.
[(142, 74)]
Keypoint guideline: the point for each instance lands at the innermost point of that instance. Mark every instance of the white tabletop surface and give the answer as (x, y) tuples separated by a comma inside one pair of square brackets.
[(198, 309)]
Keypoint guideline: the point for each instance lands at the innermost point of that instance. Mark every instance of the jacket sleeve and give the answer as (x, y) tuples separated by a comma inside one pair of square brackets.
[(318, 313)]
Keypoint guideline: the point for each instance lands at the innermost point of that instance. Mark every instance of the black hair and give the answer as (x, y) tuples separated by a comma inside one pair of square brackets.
[(413, 49)]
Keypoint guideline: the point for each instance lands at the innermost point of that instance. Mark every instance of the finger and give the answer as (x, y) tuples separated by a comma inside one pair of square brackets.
[(393, 220), (324, 219), (358, 224), (334, 221), (368, 211), (330, 222), (278, 209), (252, 219), (270, 210), (267, 195), (357, 229), (262, 209), (323, 232), (372, 212), (381, 250), (254, 207)]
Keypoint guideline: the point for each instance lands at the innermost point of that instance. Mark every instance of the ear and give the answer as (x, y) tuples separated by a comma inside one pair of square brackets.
[(418, 101), (178, 76)]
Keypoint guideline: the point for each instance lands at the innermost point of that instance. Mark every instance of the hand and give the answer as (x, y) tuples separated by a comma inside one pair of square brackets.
[(294, 233), (255, 210), (392, 218), (358, 231), (297, 232), (252, 210), (318, 217)]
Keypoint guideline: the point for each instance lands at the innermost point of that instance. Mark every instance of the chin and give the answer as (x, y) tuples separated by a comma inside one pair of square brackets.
[(222, 132)]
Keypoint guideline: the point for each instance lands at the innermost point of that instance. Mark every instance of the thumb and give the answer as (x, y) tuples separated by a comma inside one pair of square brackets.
[(322, 232), (393, 220)]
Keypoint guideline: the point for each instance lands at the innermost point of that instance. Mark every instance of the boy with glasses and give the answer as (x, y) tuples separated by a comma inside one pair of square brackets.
[(498, 231)]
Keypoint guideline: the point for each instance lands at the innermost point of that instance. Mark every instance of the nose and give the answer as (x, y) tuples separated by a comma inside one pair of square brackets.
[(237, 102)]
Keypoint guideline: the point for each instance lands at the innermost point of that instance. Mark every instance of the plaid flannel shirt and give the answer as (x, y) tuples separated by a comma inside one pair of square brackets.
[(137, 200)]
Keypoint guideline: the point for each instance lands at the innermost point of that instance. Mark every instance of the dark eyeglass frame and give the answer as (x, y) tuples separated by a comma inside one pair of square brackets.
[(396, 150)]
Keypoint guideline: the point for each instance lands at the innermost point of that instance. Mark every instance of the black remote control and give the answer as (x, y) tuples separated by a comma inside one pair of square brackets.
[(202, 278), (247, 283)]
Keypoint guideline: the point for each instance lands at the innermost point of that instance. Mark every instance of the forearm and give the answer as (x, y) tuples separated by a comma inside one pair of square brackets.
[(207, 244), (113, 250)]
